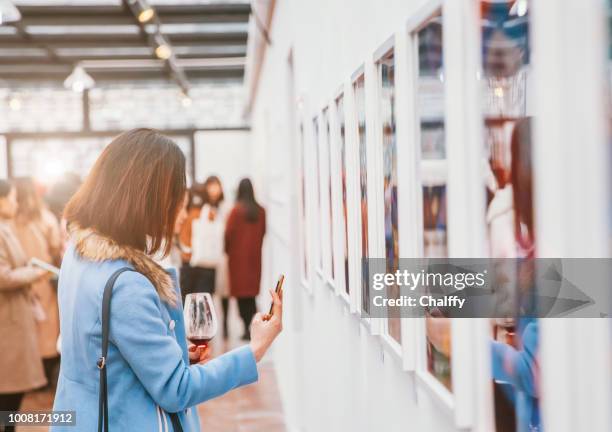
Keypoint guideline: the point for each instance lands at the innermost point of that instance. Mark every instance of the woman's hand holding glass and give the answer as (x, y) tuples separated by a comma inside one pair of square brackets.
[(265, 328), (199, 354)]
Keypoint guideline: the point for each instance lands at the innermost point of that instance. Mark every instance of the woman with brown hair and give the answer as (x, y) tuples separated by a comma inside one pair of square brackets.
[(39, 234), (21, 368), (124, 213)]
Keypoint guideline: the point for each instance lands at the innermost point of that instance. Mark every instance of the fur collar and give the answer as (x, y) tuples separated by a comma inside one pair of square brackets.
[(94, 246)]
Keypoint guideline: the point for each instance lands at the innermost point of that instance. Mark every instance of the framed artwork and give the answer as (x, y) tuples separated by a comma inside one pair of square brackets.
[(304, 265), (509, 214), (319, 192), (329, 205), (428, 40), (341, 144), (387, 123), (360, 116)]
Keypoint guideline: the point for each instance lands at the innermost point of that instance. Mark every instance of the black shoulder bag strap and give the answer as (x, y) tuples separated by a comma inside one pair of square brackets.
[(103, 398)]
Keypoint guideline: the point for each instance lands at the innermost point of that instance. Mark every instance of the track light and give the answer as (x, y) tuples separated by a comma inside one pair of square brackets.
[(185, 100), (163, 51), (15, 103), (79, 80), (145, 15)]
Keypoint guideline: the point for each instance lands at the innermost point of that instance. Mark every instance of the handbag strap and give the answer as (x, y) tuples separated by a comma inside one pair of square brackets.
[(101, 363)]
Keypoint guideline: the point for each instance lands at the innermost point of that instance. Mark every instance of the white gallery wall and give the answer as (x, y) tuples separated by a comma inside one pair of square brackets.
[(224, 154), (335, 371)]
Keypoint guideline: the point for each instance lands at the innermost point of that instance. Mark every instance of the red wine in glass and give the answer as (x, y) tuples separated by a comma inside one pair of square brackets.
[(200, 318), (200, 341)]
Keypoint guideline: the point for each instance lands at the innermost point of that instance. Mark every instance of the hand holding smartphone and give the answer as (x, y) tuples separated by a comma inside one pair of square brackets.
[(277, 290)]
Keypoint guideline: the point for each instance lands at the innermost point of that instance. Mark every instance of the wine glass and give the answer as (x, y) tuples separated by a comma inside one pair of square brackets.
[(200, 318)]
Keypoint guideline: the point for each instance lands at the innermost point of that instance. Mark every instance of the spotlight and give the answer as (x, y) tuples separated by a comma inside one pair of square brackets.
[(15, 103), (8, 12), (146, 14), (163, 51), (185, 100), (79, 80)]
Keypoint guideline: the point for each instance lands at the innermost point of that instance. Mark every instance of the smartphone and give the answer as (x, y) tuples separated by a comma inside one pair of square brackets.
[(279, 287)]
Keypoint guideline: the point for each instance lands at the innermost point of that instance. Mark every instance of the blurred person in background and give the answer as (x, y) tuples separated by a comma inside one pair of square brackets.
[(21, 367), (244, 233), (56, 199), (39, 234), (204, 233), (124, 213), (173, 260)]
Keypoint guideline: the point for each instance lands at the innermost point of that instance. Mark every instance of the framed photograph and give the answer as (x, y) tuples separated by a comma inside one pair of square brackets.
[(358, 86), (342, 232), (303, 226), (509, 216), (387, 138), (327, 209), (316, 143), (434, 331)]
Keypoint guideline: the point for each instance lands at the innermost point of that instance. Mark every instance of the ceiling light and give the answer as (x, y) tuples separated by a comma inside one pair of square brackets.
[(79, 80), (163, 52), (145, 15), (186, 101), (15, 103), (8, 12)]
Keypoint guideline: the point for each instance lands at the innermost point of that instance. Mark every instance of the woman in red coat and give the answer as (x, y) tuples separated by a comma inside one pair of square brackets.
[(244, 233)]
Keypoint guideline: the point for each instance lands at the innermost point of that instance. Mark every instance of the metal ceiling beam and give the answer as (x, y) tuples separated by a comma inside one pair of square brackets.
[(58, 74), (167, 9), (120, 43), (156, 40), (114, 19)]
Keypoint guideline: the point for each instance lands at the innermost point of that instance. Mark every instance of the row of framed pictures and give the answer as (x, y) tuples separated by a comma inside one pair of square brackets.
[(375, 182)]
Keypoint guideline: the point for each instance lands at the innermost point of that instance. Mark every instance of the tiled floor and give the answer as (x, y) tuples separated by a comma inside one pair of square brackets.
[(256, 407)]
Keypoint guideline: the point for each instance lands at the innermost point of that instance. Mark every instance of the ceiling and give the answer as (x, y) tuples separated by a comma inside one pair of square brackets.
[(207, 40)]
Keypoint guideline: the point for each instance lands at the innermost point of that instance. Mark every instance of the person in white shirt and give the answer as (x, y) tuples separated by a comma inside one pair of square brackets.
[(205, 229)]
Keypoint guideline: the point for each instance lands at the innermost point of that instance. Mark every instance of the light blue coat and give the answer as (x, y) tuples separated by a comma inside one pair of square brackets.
[(148, 368)]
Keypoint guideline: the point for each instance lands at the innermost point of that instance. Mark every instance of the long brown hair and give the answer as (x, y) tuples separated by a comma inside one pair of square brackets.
[(133, 192), (199, 193), (29, 202), (246, 197)]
